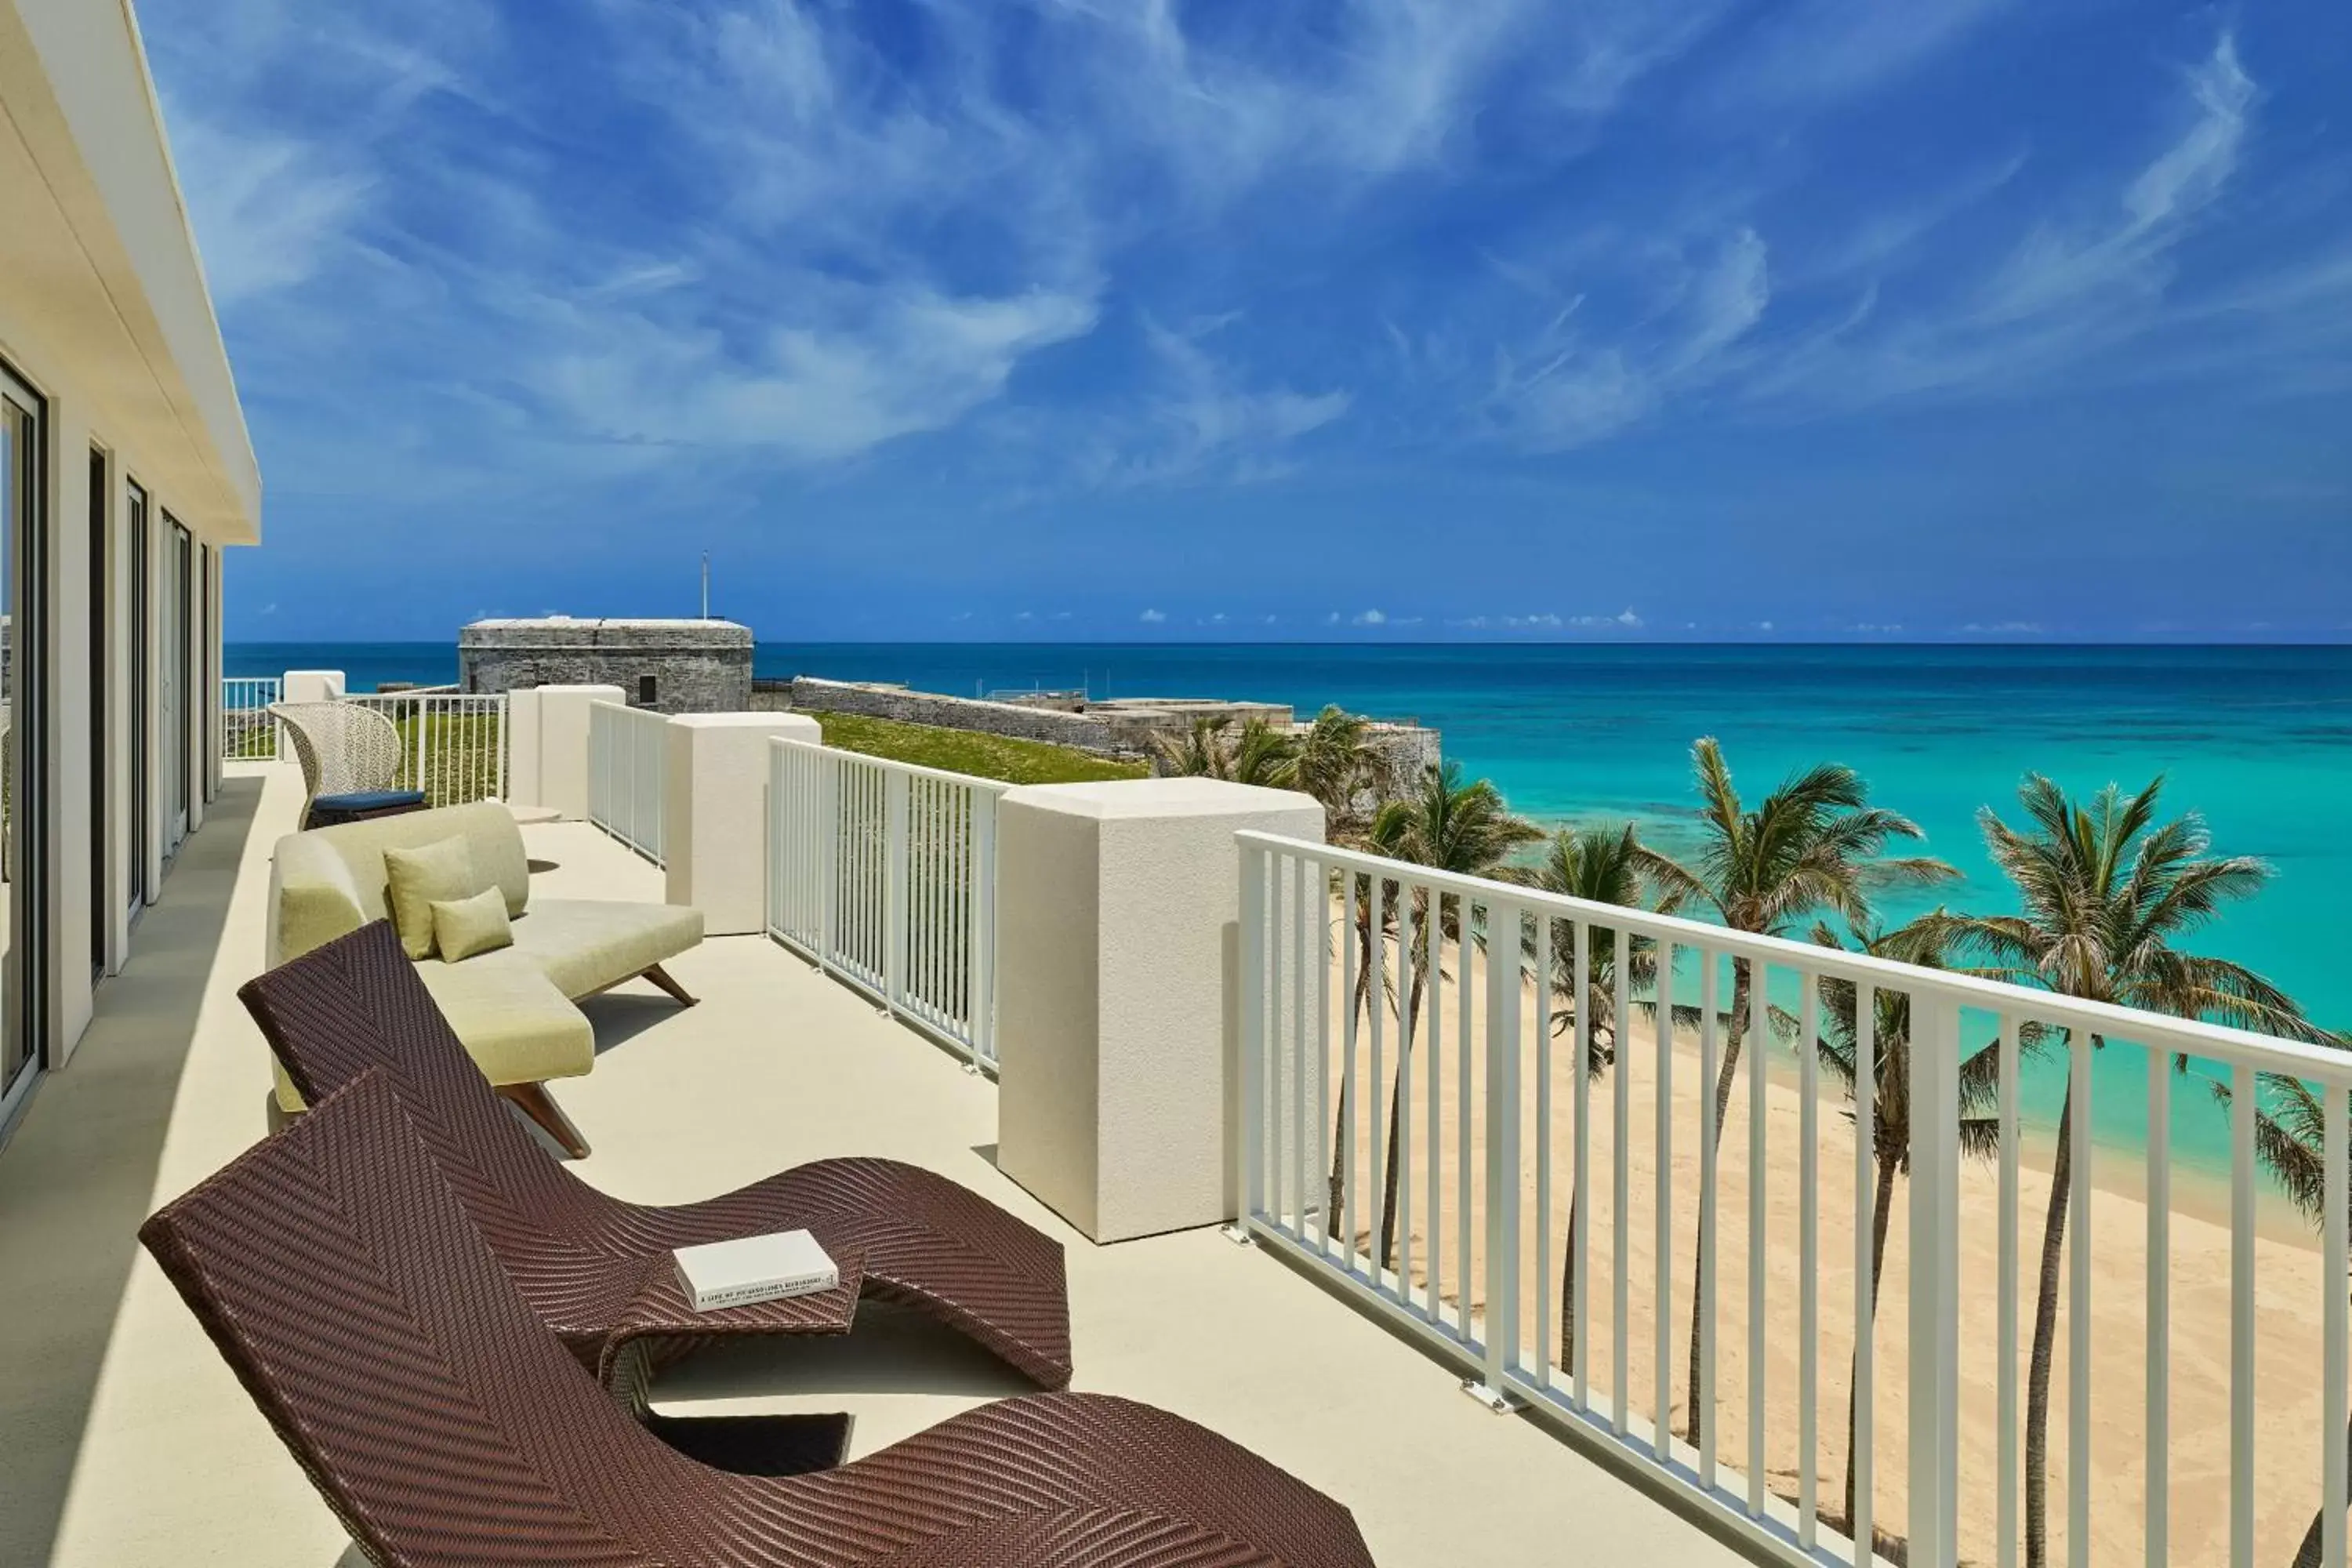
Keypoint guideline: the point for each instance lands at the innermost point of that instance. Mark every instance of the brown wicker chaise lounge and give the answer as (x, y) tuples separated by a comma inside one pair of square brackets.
[(342, 1280), (598, 1269)]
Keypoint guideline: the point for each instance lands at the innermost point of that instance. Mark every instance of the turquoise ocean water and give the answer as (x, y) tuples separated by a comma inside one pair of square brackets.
[(2258, 740)]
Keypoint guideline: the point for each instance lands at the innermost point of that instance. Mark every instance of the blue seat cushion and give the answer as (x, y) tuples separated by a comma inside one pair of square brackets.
[(368, 799)]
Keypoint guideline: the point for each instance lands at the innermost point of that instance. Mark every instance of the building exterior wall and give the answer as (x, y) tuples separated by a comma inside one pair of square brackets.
[(696, 667), (105, 316)]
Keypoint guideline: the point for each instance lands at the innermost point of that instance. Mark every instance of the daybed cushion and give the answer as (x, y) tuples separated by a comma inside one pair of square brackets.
[(416, 880), (510, 1017), (467, 928), (586, 944), (513, 1020)]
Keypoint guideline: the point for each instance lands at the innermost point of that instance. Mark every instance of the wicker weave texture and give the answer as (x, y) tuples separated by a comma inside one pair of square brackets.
[(581, 1257), (342, 1278), (343, 747)]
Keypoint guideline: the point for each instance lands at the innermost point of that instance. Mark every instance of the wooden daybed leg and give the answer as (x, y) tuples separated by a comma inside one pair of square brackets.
[(661, 977), (535, 1103)]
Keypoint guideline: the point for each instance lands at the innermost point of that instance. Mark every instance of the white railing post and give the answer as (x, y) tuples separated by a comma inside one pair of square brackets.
[(1503, 1196), (980, 987), (417, 706), (1935, 1148), (774, 805), (624, 780), (828, 833), (1246, 1153), (898, 907)]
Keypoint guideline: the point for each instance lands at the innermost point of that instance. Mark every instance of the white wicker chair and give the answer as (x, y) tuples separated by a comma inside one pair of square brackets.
[(345, 748)]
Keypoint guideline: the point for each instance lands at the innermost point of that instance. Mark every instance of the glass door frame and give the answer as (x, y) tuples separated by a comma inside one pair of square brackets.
[(24, 1007), (179, 682), (102, 705), (138, 522)]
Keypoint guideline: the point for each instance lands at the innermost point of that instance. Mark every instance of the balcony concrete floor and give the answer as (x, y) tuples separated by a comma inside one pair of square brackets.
[(127, 1441)]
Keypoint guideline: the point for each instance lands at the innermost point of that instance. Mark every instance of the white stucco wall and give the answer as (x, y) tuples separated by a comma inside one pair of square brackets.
[(1117, 907), (105, 314), (715, 814)]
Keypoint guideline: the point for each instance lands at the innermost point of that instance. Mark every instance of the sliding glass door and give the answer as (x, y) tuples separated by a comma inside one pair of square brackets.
[(24, 489)]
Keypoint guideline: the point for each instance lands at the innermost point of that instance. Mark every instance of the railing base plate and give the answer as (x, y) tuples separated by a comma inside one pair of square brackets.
[(1238, 1234), (1493, 1399)]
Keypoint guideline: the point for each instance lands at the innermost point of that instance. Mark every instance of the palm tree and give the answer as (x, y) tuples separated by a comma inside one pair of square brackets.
[(1924, 942), (1262, 754), (1200, 752), (1333, 760), (2291, 1140), (1448, 826), (2108, 892), (1599, 864), (1813, 844)]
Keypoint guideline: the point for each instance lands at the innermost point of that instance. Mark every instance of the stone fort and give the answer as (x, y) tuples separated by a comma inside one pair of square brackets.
[(665, 666)]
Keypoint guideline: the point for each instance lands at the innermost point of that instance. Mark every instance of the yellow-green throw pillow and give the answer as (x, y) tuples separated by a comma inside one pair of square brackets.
[(463, 927), (417, 878)]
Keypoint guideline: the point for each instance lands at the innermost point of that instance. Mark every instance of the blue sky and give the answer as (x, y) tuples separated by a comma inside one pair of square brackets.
[(1389, 319)]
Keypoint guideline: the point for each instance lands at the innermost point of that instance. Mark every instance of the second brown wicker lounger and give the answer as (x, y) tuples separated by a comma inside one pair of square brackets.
[(345, 1284), (595, 1267)]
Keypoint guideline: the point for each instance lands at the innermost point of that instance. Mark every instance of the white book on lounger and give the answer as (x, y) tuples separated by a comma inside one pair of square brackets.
[(754, 1268)]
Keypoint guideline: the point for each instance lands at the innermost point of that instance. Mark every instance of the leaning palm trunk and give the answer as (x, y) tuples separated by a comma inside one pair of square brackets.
[(2045, 1334), (1723, 1078), (2308, 1555), (1568, 1288), (1361, 1004), (1878, 1216), (1396, 1128)]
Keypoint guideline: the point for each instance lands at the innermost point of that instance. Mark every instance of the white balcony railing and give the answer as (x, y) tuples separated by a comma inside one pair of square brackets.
[(885, 874), (1556, 1168), (247, 731), (628, 763), (453, 743)]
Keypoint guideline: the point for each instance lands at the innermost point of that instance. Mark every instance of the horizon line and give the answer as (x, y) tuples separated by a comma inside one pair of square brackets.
[(1954, 640)]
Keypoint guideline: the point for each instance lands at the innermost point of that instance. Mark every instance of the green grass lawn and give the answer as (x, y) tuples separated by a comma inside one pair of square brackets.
[(968, 752), (461, 756)]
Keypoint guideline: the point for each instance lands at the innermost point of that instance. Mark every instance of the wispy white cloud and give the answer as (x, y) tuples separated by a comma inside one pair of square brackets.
[(272, 208), (1823, 51), (1199, 421), (889, 366), (2059, 268), (1568, 386), (2064, 295), (1152, 617)]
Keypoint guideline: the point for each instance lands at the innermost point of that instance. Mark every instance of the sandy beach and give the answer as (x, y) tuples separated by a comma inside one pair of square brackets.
[(2290, 1289)]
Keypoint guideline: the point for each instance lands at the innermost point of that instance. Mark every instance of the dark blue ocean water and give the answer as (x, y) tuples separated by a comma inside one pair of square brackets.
[(2258, 740)]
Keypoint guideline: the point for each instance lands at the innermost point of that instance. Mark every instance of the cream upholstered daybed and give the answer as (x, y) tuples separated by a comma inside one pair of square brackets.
[(512, 1007)]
